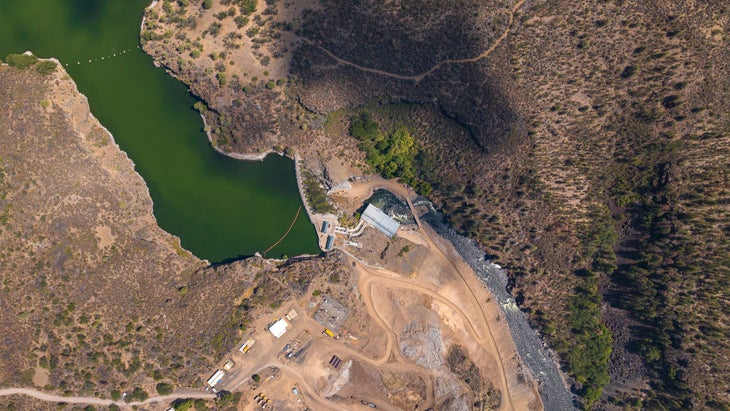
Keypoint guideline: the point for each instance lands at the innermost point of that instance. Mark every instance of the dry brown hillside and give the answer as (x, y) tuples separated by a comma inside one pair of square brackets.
[(585, 145), (95, 299)]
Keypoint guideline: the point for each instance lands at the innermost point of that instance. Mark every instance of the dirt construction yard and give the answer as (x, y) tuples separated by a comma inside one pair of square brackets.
[(416, 331)]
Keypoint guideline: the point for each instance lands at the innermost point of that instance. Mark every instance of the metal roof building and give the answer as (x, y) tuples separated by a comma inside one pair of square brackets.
[(378, 219), (279, 328)]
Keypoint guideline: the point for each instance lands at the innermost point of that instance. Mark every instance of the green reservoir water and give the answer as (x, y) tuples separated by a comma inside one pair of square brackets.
[(221, 208)]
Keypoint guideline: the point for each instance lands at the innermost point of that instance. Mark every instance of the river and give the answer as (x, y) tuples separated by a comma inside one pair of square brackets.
[(220, 208)]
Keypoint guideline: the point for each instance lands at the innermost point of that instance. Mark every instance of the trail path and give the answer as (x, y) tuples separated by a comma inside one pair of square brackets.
[(418, 77), (44, 396)]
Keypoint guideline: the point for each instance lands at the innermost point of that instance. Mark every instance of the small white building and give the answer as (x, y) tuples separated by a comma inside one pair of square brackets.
[(279, 328), (291, 315)]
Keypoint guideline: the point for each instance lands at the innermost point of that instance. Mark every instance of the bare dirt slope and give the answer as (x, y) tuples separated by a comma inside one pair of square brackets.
[(95, 296)]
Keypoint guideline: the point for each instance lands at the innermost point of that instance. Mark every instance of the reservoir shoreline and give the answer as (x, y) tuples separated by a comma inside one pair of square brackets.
[(124, 153), (219, 207)]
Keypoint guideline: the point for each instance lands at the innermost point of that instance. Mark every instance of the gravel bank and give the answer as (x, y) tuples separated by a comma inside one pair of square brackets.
[(555, 395)]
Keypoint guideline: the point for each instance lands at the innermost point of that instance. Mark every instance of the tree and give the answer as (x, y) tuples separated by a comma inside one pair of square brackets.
[(226, 398), (138, 394), (164, 388), (200, 106), (183, 404), (207, 4)]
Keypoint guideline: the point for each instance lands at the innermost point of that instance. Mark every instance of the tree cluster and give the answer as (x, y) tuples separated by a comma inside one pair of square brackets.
[(392, 154)]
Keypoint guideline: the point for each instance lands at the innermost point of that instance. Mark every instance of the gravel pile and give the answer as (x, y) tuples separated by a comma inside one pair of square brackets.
[(555, 395)]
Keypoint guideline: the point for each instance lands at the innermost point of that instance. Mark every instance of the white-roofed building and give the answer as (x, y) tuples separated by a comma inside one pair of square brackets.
[(215, 378), (279, 328), (378, 219)]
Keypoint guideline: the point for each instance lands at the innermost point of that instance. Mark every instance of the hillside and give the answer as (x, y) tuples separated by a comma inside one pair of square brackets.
[(584, 145), (96, 299)]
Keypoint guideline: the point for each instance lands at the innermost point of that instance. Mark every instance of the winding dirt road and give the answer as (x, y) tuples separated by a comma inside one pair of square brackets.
[(388, 278), (418, 77), (50, 397)]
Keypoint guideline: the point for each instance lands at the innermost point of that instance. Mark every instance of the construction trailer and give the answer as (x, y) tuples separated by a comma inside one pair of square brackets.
[(215, 378)]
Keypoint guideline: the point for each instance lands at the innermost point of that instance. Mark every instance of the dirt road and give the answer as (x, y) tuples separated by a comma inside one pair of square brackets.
[(450, 265), (419, 77), (44, 396)]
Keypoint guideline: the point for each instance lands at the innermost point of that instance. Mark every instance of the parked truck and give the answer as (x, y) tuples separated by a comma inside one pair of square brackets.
[(247, 345)]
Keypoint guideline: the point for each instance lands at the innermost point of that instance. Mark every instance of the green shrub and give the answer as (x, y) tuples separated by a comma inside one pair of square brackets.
[(221, 79), (248, 6), (200, 405), (183, 404), (21, 60), (46, 67), (214, 29), (138, 394), (315, 195), (164, 388), (240, 21), (200, 106)]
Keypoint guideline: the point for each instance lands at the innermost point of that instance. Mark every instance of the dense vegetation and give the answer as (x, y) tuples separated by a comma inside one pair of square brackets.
[(675, 259), (315, 195), (590, 343), (393, 154)]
